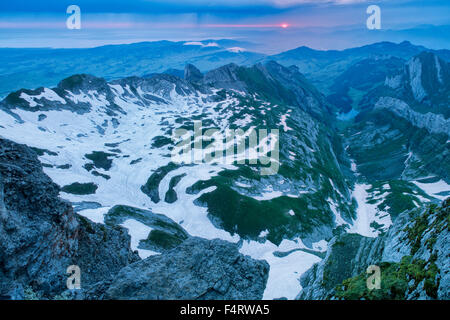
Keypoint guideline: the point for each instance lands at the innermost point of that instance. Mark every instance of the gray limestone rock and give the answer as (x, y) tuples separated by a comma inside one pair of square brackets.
[(198, 269)]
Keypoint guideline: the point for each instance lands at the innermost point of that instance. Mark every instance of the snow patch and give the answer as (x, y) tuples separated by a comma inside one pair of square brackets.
[(367, 213), (201, 44), (284, 271), (138, 231), (95, 215), (432, 189)]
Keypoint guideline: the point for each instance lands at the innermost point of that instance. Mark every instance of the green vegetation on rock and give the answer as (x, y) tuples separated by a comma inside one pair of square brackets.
[(397, 281), (100, 159)]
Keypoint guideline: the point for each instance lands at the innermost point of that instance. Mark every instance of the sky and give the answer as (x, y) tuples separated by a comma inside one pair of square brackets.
[(272, 25)]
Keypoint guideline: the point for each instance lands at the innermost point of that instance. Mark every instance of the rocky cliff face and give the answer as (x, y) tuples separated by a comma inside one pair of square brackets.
[(413, 257), (434, 123), (38, 231), (198, 269), (40, 236)]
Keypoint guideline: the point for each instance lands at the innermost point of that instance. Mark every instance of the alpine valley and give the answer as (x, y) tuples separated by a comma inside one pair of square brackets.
[(87, 176)]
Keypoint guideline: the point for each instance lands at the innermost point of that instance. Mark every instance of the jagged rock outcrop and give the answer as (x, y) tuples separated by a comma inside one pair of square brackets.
[(225, 77), (40, 235), (413, 257), (103, 250), (198, 269), (37, 230)]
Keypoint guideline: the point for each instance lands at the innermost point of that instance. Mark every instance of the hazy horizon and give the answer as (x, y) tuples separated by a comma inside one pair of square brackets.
[(272, 25), (249, 44)]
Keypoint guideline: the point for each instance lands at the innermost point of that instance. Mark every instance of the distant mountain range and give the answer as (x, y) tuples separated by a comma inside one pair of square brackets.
[(30, 68)]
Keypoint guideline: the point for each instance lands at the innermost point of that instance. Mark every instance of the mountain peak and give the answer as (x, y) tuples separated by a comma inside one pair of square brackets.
[(406, 43), (192, 74), (225, 77)]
